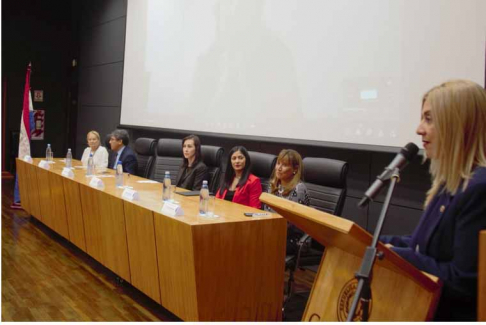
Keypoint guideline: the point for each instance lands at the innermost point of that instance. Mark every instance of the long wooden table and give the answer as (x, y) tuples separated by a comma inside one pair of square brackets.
[(225, 269)]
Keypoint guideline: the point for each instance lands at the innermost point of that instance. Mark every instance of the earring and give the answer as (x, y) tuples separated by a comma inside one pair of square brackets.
[(295, 173)]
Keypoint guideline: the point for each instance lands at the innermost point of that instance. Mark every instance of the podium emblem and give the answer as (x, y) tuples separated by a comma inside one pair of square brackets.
[(346, 299)]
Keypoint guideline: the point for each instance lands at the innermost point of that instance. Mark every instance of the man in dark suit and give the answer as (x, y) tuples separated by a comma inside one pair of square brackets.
[(121, 152)]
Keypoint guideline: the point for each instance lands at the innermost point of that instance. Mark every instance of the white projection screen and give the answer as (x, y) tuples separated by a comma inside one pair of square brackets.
[(341, 71)]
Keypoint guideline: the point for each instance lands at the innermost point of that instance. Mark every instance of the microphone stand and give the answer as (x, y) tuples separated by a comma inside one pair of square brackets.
[(364, 274)]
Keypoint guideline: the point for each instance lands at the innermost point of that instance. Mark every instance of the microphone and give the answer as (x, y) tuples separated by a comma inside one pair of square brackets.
[(405, 155)]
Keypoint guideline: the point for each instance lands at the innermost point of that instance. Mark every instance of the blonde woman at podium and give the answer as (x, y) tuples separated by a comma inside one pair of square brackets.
[(100, 154), (445, 242), (286, 182)]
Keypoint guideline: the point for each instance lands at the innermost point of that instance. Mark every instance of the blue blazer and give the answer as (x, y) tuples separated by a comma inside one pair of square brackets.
[(445, 244), (128, 159)]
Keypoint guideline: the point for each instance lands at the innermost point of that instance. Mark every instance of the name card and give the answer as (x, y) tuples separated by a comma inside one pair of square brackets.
[(96, 183), (67, 172), (130, 194), (44, 164), (172, 209), (28, 159)]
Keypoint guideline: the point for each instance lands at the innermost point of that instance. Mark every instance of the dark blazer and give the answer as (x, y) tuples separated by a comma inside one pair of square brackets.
[(193, 177), (128, 159), (445, 244), (248, 194)]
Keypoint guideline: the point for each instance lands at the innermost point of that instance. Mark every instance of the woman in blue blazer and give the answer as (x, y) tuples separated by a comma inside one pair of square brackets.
[(445, 242)]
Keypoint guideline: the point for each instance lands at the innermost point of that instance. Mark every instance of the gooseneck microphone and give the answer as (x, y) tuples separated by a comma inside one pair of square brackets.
[(405, 155)]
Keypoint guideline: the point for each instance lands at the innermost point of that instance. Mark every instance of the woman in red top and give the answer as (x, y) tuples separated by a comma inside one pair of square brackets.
[(239, 185)]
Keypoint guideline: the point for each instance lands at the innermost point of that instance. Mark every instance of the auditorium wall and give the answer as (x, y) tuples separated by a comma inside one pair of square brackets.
[(102, 36)]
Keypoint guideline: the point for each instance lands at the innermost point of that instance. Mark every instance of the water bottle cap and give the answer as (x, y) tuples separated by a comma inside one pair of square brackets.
[(167, 172), (91, 155), (205, 182), (48, 144), (119, 162), (69, 149)]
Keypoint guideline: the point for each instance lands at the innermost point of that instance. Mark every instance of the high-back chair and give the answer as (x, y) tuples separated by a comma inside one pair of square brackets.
[(212, 159), (262, 165), (144, 149), (325, 180), (168, 157)]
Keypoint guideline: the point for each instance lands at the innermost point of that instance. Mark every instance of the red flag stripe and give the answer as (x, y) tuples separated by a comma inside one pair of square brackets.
[(25, 108)]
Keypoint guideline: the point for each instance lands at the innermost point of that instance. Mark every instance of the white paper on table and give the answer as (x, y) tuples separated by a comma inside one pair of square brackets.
[(172, 209), (148, 181)]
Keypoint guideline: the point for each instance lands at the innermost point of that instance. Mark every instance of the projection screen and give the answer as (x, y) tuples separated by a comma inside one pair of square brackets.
[(335, 71)]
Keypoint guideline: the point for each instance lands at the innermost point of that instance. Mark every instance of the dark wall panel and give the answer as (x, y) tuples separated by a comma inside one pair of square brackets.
[(96, 12), (399, 221), (101, 68), (100, 118), (43, 33), (103, 43), (101, 85)]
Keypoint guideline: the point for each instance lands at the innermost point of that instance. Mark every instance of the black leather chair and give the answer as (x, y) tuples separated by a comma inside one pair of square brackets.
[(262, 165), (144, 149), (168, 158), (212, 159), (325, 180)]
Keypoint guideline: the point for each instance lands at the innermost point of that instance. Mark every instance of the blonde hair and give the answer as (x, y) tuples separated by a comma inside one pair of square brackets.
[(295, 160), (96, 134), (458, 109)]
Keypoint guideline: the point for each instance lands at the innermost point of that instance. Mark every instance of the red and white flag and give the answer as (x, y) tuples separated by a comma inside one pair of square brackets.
[(27, 111)]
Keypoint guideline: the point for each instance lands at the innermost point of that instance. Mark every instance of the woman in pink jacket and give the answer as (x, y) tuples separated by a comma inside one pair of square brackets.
[(239, 185)]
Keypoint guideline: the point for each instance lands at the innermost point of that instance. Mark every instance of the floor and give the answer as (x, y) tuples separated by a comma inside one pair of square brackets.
[(46, 278)]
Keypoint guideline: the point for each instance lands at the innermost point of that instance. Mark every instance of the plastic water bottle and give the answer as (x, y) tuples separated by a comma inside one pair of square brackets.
[(119, 174), (166, 190), (90, 167), (203, 199), (49, 153), (69, 159)]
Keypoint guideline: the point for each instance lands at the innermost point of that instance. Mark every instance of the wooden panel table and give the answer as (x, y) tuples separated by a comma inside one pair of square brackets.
[(230, 268)]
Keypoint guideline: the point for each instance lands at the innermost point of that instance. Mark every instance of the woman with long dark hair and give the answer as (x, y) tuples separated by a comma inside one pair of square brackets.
[(239, 185), (193, 170)]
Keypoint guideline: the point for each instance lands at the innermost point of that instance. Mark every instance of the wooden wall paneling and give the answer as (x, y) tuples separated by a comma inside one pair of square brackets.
[(114, 235), (58, 208), (33, 191), (175, 257), (142, 250), (92, 222), (23, 186), (74, 213), (240, 270), (45, 200)]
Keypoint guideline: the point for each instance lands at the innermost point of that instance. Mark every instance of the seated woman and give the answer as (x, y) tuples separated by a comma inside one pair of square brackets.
[(286, 182), (100, 154), (193, 170), (445, 242), (239, 185)]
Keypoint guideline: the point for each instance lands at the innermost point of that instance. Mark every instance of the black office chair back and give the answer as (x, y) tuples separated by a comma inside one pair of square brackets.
[(326, 183), (168, 158), (144, 149), (262, 165), (212, 159)]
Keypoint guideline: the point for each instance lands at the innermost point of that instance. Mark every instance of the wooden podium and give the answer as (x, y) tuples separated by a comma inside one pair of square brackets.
[(399, 291)]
